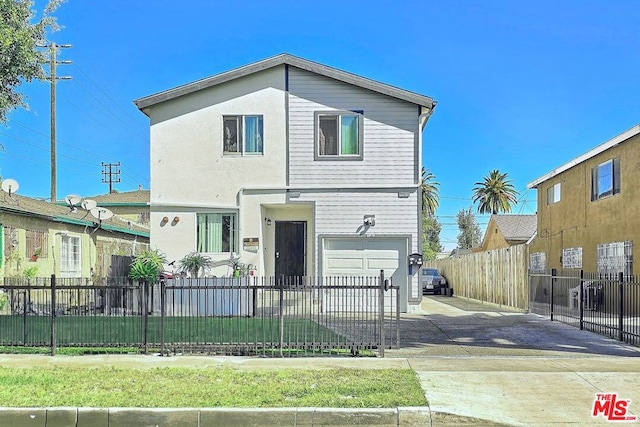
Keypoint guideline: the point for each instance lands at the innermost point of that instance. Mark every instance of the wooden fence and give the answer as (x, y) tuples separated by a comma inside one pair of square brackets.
[(498, 276)]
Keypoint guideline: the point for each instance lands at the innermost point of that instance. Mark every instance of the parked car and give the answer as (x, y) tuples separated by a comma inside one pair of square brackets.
[(433, 281)]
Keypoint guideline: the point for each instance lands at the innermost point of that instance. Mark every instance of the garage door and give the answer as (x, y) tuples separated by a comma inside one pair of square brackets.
[(366, 257)]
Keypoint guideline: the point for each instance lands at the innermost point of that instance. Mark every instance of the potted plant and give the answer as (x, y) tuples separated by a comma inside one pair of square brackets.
[(36, 254), (193, 263)]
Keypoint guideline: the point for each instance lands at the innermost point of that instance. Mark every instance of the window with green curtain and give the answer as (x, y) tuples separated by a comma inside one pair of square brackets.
[(216, 232), (349, 135), (339, 134)]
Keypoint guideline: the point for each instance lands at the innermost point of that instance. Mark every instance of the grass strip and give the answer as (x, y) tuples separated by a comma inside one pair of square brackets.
[(219, 387)]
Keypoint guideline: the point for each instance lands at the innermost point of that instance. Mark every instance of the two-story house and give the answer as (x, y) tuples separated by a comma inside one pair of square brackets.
[(589, 210), (298, 168)]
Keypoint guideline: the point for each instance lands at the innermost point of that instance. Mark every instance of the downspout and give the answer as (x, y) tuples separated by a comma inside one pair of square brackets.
[(423, 118)]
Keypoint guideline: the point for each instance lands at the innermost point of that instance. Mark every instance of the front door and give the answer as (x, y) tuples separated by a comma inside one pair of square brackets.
[(290, 249)]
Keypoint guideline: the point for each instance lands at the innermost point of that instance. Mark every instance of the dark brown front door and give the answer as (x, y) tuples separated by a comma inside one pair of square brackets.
[(290, 249)]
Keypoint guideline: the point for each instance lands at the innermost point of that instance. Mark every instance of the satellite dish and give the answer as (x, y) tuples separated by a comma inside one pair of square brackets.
[(101, 213), (10, 186), (88, 204), (72, 199)]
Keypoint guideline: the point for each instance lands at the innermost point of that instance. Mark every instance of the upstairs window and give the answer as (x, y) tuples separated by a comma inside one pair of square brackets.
[(242, 134), (217, 232), (339, 135), (553, 194), (605, 179)]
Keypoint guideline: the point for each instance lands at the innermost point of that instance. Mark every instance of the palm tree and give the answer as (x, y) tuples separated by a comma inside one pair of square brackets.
[(430, 192), (495, 194)]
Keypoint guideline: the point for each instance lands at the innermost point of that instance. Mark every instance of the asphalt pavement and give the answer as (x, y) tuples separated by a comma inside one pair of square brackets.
[(479, 365)]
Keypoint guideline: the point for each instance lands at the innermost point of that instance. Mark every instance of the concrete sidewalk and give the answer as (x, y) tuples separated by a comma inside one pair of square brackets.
[(478, 364)]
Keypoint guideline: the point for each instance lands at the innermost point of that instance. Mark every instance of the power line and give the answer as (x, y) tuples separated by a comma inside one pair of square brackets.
[(133, 132), (105, 93)]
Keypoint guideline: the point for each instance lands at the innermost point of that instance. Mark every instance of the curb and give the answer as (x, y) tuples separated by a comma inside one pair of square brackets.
[(210, 417)]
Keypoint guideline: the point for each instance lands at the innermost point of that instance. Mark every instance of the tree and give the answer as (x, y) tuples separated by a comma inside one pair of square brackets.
[(431, 237), (470, 233), (430, 192), (20, 59), (495, 194), (430, 226)]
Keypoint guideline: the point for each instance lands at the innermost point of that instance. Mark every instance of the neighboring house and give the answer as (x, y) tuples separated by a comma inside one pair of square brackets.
[(133, 205), (508, 230), (299, 168), (60, 241), (589, 209)]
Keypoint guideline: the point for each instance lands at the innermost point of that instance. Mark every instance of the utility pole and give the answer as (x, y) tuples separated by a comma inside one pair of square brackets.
[(110, 174), (53, 78)]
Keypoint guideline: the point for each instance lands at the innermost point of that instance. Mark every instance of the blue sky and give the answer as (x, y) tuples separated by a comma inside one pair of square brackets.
[(522, 86)]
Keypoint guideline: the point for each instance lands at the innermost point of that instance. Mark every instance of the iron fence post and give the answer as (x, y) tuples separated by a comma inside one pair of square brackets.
[(145, 315), (280, 285), (581, 300), (53, 315), (381, 311), (621, 307), (25, 304), (397, 289), (163, 299), (553, 279)]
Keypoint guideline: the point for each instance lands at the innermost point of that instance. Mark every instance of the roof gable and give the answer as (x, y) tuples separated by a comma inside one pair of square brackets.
[(286, 59), (516, 227)]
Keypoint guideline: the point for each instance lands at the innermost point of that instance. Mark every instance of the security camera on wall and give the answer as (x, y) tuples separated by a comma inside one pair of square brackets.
[(370, 220)]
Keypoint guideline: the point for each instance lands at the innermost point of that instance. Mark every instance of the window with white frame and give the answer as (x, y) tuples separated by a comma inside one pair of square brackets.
[(553, 194), (615, 258), (339, 135), (605, 179), (70, 256), (242, 134), (537, 261), (572, 258), (217, 232)]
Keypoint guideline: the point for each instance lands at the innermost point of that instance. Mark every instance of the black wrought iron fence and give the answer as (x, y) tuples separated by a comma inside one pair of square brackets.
[(606, 304), (244, 316)]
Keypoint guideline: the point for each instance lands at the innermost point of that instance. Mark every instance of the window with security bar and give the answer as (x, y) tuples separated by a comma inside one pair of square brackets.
[(37, 244), (537, 261), (572, 258), (615, 258)]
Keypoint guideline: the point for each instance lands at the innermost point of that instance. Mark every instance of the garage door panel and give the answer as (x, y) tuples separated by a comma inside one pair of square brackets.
[(363, 257), (381, 264), (345, 264)]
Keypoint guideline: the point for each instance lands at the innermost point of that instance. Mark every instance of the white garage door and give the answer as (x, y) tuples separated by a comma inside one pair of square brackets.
[(366, 257)]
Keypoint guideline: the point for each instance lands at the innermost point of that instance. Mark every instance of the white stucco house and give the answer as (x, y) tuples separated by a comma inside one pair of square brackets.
[(299, 168)]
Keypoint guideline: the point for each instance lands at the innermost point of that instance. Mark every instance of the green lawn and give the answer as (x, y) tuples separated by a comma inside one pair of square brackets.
[(212, 387), (129, 330)]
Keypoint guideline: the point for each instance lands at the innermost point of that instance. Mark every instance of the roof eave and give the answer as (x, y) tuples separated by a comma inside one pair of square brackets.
[(144, 103), (586, 156)]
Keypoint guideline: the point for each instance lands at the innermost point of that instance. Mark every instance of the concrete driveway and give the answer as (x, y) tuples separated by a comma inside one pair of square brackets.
[(462, 327), (484, 365)]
